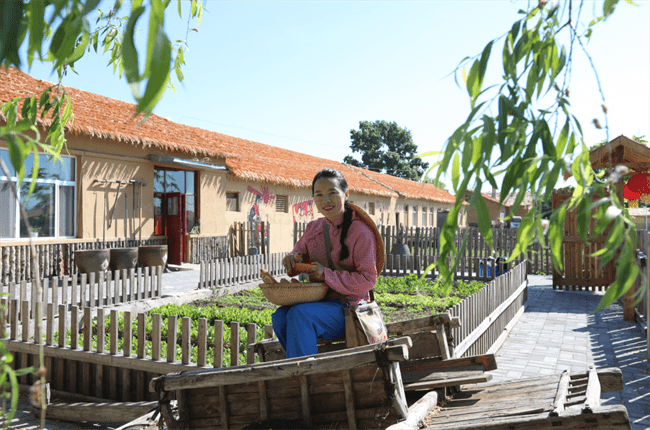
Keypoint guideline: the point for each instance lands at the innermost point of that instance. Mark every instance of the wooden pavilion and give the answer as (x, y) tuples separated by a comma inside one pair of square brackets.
[(581, 271)]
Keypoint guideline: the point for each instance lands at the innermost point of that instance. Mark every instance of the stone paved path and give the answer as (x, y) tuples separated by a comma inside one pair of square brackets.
[(559, 331)]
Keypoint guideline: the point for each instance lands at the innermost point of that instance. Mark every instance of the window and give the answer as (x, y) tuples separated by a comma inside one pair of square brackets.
[(232, 202), (51, 208), (424, 216), (281, 204), (406, 215), (371, 208), (431, 217), (166, 181), (415, 216)]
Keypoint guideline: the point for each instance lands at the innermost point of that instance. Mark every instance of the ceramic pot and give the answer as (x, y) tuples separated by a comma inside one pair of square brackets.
[(124, 258), (92, 260), (153, 255)]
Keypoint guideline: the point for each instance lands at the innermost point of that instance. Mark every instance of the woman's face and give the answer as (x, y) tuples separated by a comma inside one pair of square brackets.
[(330, 198)]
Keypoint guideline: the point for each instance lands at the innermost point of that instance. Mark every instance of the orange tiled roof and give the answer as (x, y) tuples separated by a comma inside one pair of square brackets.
[(102, 117), (407, 188)]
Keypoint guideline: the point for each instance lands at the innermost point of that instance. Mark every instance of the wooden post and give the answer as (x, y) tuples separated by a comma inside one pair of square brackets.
[(101, 343), (202, 342), (155, 336), (126, 373), (234, 343), (186, 337), (218, 344), (172, 336), (251, 330)]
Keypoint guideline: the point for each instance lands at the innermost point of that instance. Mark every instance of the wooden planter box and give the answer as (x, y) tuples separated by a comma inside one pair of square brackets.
[(355, 388)]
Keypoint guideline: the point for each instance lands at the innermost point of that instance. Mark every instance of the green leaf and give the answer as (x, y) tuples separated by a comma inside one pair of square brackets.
[(89, 6), (11, 13), (36, 28), (455, 171), (473, 85), (555, 236), (483, 216), (608, 7), (130, 54), (159, 63)]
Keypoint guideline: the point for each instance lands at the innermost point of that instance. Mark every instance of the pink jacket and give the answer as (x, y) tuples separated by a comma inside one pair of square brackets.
[(359, 271)]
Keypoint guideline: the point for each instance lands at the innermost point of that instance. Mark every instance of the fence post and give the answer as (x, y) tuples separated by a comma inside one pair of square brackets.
[(251, 330), (218, 344), (234, 343)]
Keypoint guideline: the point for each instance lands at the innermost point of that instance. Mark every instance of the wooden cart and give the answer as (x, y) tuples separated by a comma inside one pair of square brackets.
[(354, 388), (567, 401)]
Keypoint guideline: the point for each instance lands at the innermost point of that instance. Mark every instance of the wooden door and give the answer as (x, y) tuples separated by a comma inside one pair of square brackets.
[(176, 226)]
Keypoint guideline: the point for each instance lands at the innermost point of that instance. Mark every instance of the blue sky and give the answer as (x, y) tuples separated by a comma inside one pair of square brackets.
[(300, 74)]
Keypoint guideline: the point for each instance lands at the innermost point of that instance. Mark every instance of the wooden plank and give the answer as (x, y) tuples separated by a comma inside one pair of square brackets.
[(234, 343), (592, 395), (202, 342), (127, 346), (98, 412), (223, 407), (218, 344), (605, 418), (156, 336), (275, 370), (349, 399), (172, 337), (469, 378), (264, 401), (304, 401), (561, 394), (186, 337)]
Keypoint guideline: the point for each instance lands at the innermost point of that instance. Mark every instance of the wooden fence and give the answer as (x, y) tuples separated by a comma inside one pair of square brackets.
[(487, 315), (636, 302), (202, 248), (424, 242), (245, 235), (89, 290), (54, 259), (236, 270), (104, 371)]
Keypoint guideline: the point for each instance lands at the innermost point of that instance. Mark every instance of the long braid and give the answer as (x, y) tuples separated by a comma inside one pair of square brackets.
[(345, 227)]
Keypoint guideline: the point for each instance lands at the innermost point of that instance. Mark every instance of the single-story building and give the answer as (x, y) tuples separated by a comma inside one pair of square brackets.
[(120, 178)]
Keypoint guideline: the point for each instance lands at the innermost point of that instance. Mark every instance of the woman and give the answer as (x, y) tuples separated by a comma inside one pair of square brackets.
[(352, 276)]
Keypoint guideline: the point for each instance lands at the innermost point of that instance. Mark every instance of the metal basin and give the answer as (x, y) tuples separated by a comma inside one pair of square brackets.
[(92, 260), (152, 255), (124, 258)]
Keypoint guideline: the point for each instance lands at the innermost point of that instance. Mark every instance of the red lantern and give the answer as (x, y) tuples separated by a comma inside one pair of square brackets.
[(628, 194), (640, 183)]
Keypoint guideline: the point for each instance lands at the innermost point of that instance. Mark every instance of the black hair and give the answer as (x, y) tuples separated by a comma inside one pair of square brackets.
[(340, 181)]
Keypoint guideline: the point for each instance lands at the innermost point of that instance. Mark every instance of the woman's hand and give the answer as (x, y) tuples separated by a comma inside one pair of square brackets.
[(316, 273), (290, 260)]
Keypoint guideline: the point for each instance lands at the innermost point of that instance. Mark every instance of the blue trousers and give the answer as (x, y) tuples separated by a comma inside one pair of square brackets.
[(297, 327)]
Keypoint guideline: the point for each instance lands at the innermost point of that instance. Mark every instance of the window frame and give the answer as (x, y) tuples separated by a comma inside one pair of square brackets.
[(283, 198), (58, 184), (371, 208), (237, 201)]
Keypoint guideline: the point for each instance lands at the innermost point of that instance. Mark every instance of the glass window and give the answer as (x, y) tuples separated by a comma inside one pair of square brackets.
[(371, 208), (189, 182), (4, 155), (8, 211), (159, 181), (415, 216), (424, 217), (175, 181), (191, 212), (51, 207), (159, 227), (232, 202), (431, 217)]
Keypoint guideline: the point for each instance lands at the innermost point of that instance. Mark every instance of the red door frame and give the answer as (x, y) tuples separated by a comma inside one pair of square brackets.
[(176, 222)]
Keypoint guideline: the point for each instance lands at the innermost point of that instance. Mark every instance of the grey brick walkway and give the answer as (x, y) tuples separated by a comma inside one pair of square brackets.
[(559, 331)]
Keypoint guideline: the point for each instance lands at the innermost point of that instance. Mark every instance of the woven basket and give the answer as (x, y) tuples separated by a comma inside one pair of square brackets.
[(285, 294)]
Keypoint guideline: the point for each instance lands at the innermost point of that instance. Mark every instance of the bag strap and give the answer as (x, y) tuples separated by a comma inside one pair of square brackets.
[(328, 246)]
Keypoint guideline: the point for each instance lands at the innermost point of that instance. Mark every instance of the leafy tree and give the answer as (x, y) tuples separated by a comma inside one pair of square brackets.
[(60, 32), (436, 183), (386, 147), (521, 127)]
